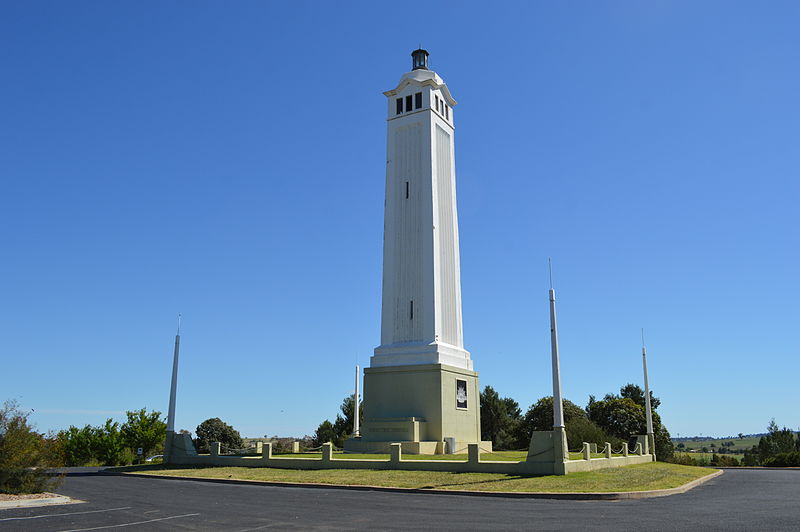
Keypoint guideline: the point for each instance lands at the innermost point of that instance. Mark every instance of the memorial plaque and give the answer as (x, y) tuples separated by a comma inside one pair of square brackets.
[(461, 394)]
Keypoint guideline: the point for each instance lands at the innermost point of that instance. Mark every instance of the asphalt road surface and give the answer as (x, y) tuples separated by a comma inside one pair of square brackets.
[(736, 500)]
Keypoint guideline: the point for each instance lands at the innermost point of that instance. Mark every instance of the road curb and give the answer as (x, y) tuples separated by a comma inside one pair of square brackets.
[(605, 496), (55, 500)]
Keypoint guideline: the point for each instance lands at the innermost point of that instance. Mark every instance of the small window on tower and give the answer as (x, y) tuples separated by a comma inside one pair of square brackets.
[(418, 100), (408, 103), (406, 189), (399, 105), (447, 112), (437, 103), (412, 309)]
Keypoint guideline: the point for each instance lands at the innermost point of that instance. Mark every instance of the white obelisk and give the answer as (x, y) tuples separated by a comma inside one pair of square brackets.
[(172, 395), (559, 431), (648, 412), (420, 388)]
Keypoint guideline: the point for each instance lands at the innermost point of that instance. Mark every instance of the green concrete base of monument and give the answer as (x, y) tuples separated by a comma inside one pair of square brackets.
[(177, 446), (550, 446), (423, 407)]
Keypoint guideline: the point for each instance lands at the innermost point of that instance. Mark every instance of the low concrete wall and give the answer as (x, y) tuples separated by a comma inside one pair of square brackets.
[(575, 466), (541, 459), (473, 465)]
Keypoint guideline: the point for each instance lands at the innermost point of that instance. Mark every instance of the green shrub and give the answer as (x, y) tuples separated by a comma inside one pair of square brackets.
[(683, 459), (791, 459), (24, 454), (722, 460)]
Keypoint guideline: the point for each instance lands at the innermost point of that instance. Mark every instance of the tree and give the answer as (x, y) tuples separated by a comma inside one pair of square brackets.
[(776, 441), (145, 430), (215, 430), (619, 416), (634, 392), (109, 445), (500, 420), (342, 427), (24, 454), (622, 418), (325, 433), (578, 427), (78, 445)]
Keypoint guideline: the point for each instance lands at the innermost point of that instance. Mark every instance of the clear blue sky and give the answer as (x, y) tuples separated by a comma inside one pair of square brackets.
[(226, 160)]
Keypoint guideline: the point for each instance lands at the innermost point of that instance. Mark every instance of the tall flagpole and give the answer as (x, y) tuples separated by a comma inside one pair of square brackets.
[(356, 423), (558, 412), (560, 450), (174, 388), (168, 444), (648, 411)]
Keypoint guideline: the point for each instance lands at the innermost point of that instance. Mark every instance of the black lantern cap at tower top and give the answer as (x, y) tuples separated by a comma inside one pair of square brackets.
[(419, 59)]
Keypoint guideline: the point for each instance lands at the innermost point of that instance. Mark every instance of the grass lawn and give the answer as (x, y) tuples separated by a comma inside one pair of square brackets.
[(654, 475)]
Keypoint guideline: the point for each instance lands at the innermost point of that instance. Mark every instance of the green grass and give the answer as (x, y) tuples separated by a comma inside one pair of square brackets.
[(650, 476)]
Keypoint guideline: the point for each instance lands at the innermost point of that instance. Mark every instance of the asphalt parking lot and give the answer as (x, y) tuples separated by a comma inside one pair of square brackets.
[(737, 500)]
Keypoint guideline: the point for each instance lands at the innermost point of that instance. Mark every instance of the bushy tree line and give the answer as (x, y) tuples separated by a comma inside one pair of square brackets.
[(780, 447), (113, 443), (25, 454), (614, 419), (341, 428)]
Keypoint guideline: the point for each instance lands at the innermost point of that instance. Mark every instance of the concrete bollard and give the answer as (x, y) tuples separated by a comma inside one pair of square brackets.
[(587, 451), (216, 448), (266, 452), (295, 446), (607, 450), (395, 452), (625, 449), (593, 448), (473, 453), (327, 452), (638, 449), (259, 447)]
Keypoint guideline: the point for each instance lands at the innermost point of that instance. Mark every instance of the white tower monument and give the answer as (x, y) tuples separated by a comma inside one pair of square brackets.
[(420, 388)]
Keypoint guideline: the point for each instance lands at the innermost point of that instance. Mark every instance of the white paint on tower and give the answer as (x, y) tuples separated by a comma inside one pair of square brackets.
[(421, 314)]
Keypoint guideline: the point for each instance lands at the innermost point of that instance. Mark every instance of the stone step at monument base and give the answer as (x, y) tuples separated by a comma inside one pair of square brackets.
[(358, 445)]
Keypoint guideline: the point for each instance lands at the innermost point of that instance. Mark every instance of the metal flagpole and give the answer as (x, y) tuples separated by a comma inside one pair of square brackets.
[(170, 437), (648, 411), (356, 421), (558, 412), (560, 451)]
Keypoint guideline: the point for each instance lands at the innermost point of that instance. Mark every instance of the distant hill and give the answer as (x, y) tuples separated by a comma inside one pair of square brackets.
[(731, 444)]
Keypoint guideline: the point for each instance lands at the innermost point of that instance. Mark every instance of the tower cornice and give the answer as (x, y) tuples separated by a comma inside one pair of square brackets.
[(423, 78)]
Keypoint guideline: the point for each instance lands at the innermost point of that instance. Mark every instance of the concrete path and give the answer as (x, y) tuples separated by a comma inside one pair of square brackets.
[(737, 500)]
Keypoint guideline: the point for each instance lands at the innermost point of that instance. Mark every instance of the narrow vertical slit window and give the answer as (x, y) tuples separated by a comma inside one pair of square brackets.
[(447, 112), (437, 103), (406, 189), (418, 100), (411, 309), (408, 103), (399, 105)]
